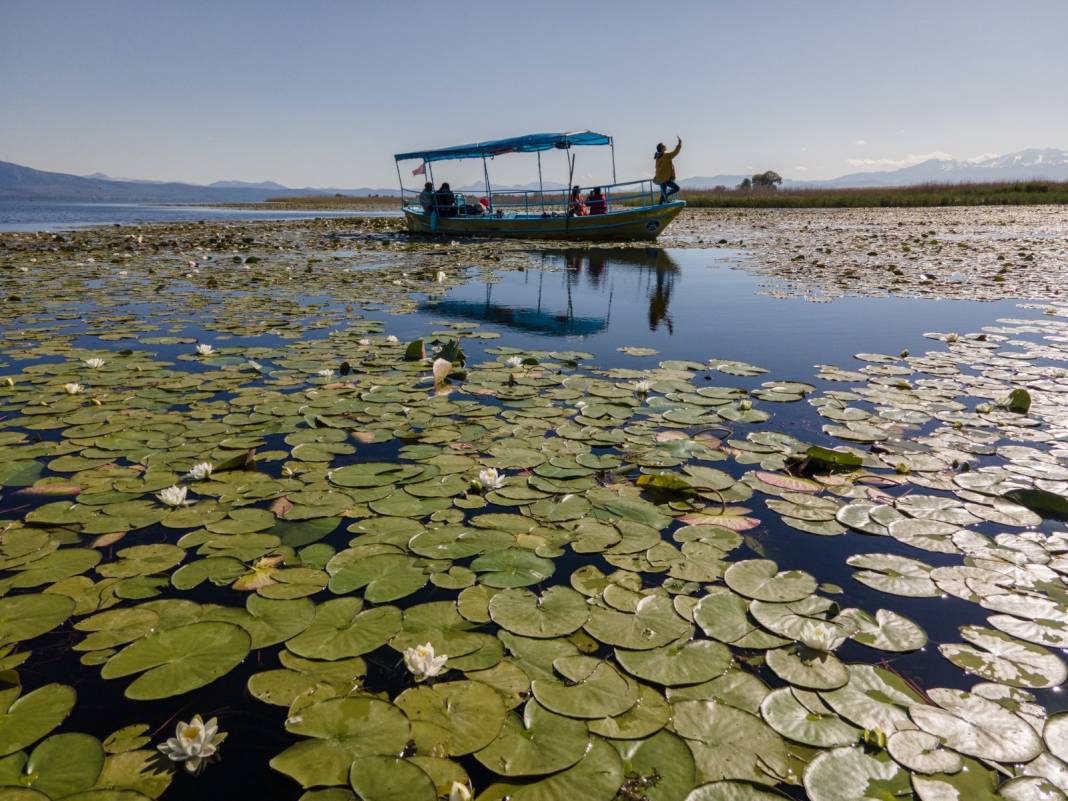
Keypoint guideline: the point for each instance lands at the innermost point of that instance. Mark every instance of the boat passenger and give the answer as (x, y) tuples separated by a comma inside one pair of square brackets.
[(426, 197), (576, 207), (473, 209), (664, 176), (445, 201), (596, 202)]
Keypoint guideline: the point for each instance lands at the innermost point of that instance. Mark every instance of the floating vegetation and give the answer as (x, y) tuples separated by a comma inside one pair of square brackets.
[(505, 574)]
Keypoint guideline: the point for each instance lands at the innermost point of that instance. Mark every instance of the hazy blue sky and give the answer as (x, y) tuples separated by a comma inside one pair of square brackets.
[(323, 93)]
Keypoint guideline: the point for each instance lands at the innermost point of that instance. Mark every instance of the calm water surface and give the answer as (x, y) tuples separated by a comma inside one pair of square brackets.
[(23, 215)]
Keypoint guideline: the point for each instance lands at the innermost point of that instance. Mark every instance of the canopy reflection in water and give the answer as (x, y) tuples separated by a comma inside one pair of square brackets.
[(545, 316)]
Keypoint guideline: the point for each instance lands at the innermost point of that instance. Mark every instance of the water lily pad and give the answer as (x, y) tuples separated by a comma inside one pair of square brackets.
[(976, 726), (596, 777), (760, 579), (556, 612), (665, 755), (598, 689), (461, 716), (540, 742), (654, 623), (340, 729), (23, 617), (512, 567), (729, 743), (29, 718), (64, 764), (997, 657), (387, 778), (677, 664), (175, 661), (851, 774), (802, 717), (341, 628), (922, 752)]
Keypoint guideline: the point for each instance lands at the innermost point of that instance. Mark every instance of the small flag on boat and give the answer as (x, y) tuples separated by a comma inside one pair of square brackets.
[(420, 170)]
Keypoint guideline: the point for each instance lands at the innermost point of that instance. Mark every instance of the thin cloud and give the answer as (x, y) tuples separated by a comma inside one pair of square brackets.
[(860, 142), (801, 169), (907, 161)]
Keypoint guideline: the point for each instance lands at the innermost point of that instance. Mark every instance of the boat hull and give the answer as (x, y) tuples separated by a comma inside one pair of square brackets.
[(642, 223)]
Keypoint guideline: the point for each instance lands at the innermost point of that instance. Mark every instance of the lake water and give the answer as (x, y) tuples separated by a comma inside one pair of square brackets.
[(688, 305), (21, 215)]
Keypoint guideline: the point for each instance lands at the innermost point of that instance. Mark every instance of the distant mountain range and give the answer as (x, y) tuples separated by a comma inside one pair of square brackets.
[(1049, 164), (25, 183)]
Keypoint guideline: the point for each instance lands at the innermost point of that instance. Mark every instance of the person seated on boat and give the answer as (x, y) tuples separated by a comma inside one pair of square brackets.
[(576, 207), (473, 208), (445, 201), (664, 176), (426, 197), (596, 202)]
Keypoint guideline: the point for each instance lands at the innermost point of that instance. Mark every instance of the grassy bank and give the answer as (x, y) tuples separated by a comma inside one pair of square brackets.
[(1023, 193)]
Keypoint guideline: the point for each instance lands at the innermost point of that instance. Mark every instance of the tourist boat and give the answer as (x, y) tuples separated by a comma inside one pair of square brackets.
[(633, 209)]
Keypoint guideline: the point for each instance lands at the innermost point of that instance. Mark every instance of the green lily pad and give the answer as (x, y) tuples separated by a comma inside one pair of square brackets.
[(540, 742), (676, 664), (23, 617), (995, 656), (178, 660), (27, 719), (976, 726), (851, 774), (341, 628), (512, 567), (461, 716), (556, 612), (598, 689), (387, 778), (760, 579), (596, 777)]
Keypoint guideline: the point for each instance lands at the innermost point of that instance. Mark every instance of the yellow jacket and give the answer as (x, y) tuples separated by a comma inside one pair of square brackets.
[(665, 170)]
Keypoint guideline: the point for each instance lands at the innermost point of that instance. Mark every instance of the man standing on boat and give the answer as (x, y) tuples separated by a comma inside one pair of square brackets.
[(665, 170)]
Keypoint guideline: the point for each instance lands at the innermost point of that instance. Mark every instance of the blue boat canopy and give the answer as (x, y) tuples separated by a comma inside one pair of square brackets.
[(531, 143)]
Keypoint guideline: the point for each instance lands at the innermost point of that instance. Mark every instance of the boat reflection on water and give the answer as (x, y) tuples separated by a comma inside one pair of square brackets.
[(575, 301)]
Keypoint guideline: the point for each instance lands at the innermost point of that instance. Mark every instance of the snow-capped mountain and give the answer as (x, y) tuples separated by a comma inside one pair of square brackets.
[(1050, 164)]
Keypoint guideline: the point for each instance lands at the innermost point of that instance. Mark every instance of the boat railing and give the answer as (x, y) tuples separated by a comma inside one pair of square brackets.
[(550, 202)]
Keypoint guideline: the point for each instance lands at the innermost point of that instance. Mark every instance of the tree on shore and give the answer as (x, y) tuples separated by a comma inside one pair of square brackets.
[(767, 180)]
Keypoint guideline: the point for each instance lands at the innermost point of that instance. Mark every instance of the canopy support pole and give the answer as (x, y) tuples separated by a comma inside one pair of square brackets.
[(485, 173), (400, 182), (612, 147), (541, 186)]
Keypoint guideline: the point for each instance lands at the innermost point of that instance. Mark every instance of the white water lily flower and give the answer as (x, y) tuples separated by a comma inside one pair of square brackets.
[(254, 365), (205, 350), (643, 387), (422, 662), (193, 742), (363, 343), (201, 471), (173, 496), (745, 405), (95, 363), (490, 479), (459, 792), (392, 340), (441, 277), (513, 362), (441, 370), (73, 389), (327, 373)]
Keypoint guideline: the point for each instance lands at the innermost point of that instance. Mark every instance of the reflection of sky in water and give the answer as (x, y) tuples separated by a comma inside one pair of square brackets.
[(691, 304)]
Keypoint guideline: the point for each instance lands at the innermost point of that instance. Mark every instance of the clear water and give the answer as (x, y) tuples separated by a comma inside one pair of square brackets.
[(22, 215)]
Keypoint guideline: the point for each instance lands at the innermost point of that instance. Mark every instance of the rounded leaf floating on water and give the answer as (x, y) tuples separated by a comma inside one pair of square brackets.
[(803, 717), (387, 778), (654, 623), (729, 743), (341, 729), (851, 774), (922, 752), (677, 664), (540, 742), (512, 567), (23, 617), (997, 657), (598, 689), (64, 764), (175, 661), (556, 612), (761, 580), (340, 629), (459, 716), (976, 726), (30, 717), (596, 777), (734, 791)]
